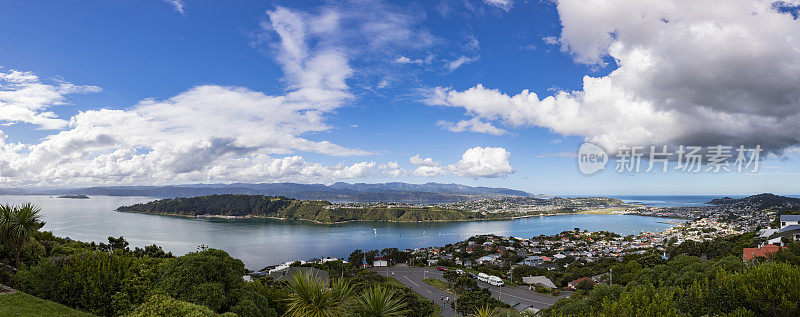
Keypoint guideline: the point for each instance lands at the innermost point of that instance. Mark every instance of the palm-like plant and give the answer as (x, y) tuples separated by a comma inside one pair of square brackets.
[(308, 296), (484, 311), (378, 301), (18, 225)]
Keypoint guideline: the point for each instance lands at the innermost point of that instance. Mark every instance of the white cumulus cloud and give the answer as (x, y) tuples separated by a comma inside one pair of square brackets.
[(473, 125), (209, 132), (698, 73), (477, 162), (25, 98)]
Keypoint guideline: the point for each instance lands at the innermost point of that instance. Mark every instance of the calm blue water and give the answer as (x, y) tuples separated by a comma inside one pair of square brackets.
[(266, 242), (672, 200), (675, 200)]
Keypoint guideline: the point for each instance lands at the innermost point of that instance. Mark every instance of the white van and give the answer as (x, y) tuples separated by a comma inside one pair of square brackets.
[(494, 280), (483, 277)]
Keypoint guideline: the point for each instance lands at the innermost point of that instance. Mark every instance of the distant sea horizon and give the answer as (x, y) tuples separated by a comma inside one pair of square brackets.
[(676, 200)]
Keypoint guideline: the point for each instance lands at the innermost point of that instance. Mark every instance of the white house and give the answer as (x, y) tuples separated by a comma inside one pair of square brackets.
[(533, 260), (491, 258), (790, 220), (539, 280), (381, 263), (790, 228)]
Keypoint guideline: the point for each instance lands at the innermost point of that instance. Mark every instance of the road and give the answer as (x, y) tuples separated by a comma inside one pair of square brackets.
[(413, 276)]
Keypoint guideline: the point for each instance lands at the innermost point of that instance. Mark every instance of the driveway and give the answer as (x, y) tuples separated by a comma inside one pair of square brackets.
[(413, 276)]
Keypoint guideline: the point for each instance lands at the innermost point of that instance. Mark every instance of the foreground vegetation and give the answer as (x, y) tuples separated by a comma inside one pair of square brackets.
[(111, 279), (288, 208), (114, 280), (21, 304), (692, 283)]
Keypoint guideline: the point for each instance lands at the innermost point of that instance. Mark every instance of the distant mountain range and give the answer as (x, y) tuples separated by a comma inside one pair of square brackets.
[(338, 192), (760, 201)]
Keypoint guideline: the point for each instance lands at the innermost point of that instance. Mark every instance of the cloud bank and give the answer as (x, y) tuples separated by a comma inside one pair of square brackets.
[(210, 132), (699, 73)]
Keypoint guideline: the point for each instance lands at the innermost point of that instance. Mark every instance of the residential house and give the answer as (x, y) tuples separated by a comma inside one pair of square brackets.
[(765, 251), (574, 284), (533, 260), (539, 280), (380, 262), (287, 275)]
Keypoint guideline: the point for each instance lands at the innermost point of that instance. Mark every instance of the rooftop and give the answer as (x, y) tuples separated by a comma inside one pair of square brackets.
[(790, 218)]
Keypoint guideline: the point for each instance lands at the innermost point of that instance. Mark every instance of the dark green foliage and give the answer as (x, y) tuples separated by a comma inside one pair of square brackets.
[(356, 258), (475, 299), (416, 305), (687, 285), (464, 284), (210, 278), (87, 281), (163, 305), (287, 208)]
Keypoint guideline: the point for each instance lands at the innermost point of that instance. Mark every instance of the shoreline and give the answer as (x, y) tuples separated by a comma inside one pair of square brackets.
[(255, 217)]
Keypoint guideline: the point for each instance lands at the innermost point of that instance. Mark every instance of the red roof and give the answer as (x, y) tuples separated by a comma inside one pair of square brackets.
[(575, 283), (750, 253)]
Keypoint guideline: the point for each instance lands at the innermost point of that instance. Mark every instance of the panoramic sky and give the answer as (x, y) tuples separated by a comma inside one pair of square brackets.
[(492, 93)]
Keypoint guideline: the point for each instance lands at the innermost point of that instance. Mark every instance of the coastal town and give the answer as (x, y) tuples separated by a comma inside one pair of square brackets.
[(556, 265)]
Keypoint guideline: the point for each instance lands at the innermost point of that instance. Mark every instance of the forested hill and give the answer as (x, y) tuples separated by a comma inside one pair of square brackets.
[(288, 208), (760, 201), (383, 192)]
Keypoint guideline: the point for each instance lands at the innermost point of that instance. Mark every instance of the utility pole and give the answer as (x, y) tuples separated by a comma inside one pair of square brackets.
[(611, 277)]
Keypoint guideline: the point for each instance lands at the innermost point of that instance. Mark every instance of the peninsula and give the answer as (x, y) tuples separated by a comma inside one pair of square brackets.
[(280, 207)]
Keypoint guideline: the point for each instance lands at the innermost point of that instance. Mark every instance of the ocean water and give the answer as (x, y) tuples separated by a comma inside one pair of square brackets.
[(262, 242), (676, 200), (672, 200)]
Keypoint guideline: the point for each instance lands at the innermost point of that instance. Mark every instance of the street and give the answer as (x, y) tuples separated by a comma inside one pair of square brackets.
[(412, 277)]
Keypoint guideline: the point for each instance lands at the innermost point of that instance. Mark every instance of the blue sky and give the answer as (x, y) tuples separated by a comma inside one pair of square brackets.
[(494, 93)]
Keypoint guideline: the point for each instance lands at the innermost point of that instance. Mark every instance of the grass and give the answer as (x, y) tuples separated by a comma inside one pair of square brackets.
[(439, 284), (21, 304)]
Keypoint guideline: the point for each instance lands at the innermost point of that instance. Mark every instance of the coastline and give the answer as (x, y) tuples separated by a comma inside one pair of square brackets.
[(237, 218)]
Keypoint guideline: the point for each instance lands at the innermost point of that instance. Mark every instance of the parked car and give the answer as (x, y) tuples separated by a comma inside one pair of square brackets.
[(460, 272), (496, 281), (442, 268), (472, 275), (483, 277)]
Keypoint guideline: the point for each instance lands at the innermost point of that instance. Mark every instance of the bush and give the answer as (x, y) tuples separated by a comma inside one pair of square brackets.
[(475, 299), (87, 281), (163, 305)]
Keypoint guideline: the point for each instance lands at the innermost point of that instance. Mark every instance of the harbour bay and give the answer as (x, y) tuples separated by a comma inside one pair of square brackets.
[(262, 242)]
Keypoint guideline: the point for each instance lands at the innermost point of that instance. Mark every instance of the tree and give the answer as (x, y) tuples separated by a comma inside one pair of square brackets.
[(117, 244), (379, 302), (309, 297), (356, 258), (464, 284), (19, 225), (475, 299), (450, 277), (416, 305), (585, 284), (211, 278)]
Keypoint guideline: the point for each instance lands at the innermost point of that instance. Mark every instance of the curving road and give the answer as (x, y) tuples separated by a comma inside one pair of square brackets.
[(413, 276)]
